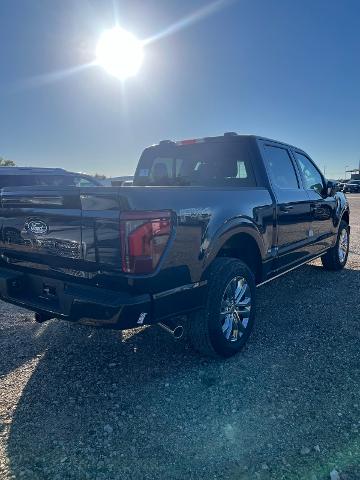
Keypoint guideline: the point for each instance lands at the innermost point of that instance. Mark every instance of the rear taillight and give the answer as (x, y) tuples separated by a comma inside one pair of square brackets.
[(144, 236)]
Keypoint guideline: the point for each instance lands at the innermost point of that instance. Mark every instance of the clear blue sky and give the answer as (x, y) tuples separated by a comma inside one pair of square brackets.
[(285, 69)]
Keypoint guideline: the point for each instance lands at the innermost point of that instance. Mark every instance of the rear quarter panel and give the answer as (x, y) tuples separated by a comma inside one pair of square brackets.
[(205, 219)]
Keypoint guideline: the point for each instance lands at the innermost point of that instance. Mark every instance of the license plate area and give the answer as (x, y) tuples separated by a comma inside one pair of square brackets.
[(36, 291)]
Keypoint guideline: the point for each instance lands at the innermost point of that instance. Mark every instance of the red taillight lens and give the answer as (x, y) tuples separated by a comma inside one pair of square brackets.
[(144, 236)]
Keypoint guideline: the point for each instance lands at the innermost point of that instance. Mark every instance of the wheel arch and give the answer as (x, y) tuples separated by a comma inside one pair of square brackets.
[(244, 243)]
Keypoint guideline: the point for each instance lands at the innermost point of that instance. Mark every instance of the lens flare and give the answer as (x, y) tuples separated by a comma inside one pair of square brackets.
[(189, 20), (119, 52)]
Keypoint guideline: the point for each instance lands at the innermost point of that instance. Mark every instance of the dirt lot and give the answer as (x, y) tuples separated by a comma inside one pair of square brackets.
[(77, 403)]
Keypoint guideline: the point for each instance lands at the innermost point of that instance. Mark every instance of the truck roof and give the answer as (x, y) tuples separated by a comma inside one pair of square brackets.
[(225, 136)]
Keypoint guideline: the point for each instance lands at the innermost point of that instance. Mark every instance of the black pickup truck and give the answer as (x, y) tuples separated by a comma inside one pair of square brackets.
[(205, 222)]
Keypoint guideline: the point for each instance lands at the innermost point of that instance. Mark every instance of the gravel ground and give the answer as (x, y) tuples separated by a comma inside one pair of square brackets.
[(78, 403)]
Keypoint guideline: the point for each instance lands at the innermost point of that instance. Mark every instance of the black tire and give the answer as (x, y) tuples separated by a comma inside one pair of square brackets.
[(206, 328), (333, 259)]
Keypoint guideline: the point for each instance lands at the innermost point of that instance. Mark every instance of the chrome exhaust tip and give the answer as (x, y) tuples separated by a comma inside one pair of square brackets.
[(177, 332)]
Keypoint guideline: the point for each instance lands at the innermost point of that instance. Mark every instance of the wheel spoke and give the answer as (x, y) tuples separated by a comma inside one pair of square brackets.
[(343, 245), (240, 324), (245, 322), (235, 309), (246, 302), (244, 311), (227, 326), (239, 293)]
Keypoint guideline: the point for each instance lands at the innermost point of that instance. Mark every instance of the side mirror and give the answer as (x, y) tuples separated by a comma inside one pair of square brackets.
[(331, 188)]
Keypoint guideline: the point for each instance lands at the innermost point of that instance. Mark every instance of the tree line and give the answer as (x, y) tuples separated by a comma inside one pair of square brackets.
[(4, 162)]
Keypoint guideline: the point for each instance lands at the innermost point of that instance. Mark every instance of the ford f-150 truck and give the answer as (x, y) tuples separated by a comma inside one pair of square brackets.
[(205, 222)]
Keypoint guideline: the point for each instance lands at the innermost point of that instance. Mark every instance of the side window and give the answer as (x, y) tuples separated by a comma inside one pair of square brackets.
[(312, 177), (241, 170), (281, 168), (83, 182)]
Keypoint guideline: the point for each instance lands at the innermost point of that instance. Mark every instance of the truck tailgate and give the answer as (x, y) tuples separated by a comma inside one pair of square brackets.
[(42, 224)]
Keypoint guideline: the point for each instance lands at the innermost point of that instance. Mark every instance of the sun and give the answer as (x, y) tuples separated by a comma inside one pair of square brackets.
[(119, 52)]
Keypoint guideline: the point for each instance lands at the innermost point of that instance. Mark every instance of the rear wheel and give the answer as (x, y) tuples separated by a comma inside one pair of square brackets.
[(336, 257), (224, 325)]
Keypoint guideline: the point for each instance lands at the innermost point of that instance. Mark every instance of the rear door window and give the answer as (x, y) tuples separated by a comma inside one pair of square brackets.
[(281, 168)]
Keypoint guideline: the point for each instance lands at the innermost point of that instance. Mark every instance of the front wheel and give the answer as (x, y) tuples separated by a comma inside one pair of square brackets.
[(224, 325), (336, 257)]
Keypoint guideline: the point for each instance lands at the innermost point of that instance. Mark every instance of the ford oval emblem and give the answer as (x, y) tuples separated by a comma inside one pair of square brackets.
[(37, 227)]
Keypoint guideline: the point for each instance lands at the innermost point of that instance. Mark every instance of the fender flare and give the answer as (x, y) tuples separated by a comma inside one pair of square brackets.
[(344, 211), (229, 229)]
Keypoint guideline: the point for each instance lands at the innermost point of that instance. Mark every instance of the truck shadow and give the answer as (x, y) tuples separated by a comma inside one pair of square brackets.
[(143, 406)]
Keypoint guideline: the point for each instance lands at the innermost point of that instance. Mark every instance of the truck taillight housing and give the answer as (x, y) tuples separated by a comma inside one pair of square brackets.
[(144, 236)]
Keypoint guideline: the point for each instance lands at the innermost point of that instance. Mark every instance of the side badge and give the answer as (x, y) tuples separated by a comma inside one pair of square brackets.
[(141, 318)]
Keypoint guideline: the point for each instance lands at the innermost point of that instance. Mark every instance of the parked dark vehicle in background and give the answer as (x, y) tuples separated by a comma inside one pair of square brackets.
[(352, 186), (205, 222), (31, 176)]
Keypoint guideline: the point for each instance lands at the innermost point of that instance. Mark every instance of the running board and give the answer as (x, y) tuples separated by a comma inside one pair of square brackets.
[(291, 269)]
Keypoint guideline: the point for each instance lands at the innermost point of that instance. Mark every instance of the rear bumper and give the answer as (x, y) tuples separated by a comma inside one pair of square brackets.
[(92, 305), (74, 302)]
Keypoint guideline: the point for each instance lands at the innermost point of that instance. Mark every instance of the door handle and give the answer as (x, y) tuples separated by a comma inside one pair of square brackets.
[(286, 208)]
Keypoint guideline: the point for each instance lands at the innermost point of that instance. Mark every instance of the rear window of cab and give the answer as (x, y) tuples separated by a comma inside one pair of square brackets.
[(202, 164)]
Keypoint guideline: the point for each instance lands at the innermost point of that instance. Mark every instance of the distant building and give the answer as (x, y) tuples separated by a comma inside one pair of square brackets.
[(355, 174)]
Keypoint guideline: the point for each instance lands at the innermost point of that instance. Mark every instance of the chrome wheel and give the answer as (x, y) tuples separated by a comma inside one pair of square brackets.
[(235, 309), (343, 245)]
